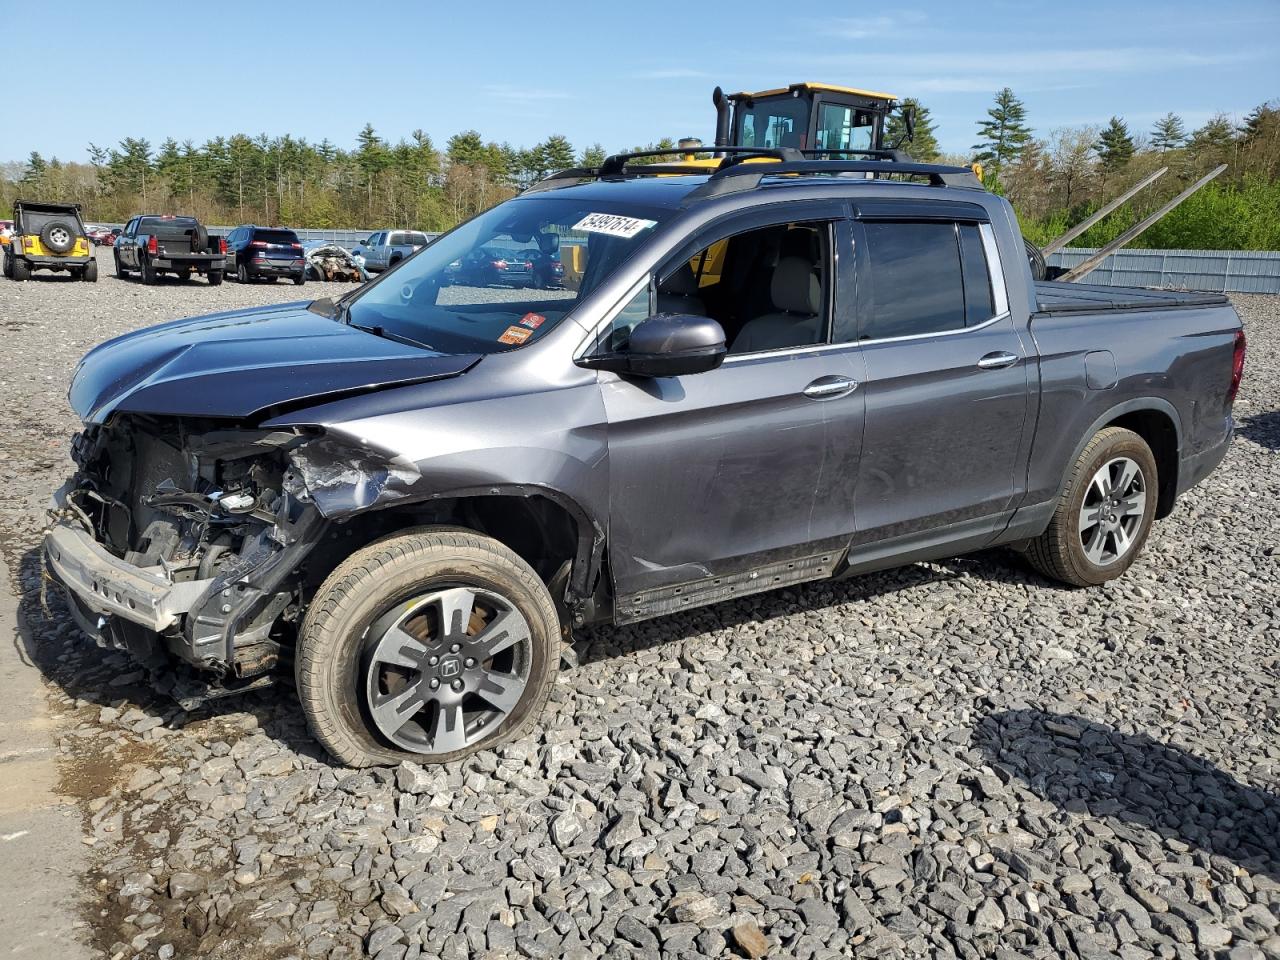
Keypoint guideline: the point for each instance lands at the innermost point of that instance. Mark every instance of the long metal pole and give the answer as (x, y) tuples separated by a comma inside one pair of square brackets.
[(1091, 263), (1054, 245)]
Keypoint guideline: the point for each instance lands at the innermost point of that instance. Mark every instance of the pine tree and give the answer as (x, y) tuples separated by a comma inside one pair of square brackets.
[(1168, 133), (1005, 135), (593, 156), (1216, 136), (1115, 146), (557, 153), (466, 148), (924, 145), (1262, 117)]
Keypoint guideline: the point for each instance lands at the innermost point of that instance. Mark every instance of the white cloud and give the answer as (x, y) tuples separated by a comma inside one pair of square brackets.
[(1025, 62), (517, 94), (670, 73)]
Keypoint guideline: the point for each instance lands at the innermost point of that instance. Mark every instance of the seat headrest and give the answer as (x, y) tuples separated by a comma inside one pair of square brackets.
[(795, 287), (682, 283)]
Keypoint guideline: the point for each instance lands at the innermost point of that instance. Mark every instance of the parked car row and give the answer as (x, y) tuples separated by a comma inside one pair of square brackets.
[(54, 237)]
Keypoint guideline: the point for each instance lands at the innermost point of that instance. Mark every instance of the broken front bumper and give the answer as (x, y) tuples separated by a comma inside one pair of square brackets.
[(104, 585)]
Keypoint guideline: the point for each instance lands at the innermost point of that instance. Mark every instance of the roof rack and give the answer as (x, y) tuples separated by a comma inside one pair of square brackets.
[(735, 175), (737, 179), (616, 165)]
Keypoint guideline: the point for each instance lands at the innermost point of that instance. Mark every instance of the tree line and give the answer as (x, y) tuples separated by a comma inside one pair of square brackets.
[(1060, 180), (1052, 182)]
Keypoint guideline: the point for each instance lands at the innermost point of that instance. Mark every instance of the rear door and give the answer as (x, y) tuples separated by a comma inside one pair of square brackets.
[(947, 388)]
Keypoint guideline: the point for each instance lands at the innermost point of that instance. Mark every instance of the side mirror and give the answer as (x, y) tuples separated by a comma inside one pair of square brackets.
[(667, 345), (908, 124)]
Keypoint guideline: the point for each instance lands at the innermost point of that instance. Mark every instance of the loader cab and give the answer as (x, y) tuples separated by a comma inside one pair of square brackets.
[(807, 116)]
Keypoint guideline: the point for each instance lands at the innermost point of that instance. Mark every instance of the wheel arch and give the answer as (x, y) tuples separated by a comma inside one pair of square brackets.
[(1156, 420), (543, 526)]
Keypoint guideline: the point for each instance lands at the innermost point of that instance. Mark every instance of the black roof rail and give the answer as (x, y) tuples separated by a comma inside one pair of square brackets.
[(615, 165), (737, 179), (734, 175)]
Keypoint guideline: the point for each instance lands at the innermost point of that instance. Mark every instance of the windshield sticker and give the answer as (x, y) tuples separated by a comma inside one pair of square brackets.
[(515, 334), (533, 320), (613, 225)]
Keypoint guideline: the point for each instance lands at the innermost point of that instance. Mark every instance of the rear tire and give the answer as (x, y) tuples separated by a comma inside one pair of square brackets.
[(149, 274), (1097, 532), (90, 271), (344, 664), (242, 274), (20, 270), (215, 278), (300, 279)]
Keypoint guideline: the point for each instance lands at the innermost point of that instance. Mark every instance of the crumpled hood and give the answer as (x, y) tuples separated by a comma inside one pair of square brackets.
[(245, 362)]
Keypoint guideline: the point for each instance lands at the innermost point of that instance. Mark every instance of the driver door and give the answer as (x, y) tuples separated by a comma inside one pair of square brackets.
[(738, 479)]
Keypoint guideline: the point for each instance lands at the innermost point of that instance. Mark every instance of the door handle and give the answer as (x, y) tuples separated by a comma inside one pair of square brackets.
[(830, 388), (997, 361)]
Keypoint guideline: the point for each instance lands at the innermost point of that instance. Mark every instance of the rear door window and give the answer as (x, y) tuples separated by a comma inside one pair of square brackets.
[(910, 280), (979, 301)]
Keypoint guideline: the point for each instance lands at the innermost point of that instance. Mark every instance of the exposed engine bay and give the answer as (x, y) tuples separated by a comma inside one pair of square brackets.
[(216, 514), (332, 262)]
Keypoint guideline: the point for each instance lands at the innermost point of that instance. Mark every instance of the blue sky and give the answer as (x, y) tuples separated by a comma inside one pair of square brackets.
[(619, 74)]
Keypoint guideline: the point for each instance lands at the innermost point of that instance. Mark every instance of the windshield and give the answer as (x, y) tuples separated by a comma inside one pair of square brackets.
[(488, 286), (775, 122)]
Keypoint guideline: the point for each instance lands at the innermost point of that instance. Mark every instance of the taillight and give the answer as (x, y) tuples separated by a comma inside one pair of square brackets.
[(152, 246), (500, 264), (1237, 365), (222, 244), (296, 246), (528, 264)]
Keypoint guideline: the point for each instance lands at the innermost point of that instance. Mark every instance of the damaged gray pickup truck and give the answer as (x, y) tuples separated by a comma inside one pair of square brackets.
[(770, 374)]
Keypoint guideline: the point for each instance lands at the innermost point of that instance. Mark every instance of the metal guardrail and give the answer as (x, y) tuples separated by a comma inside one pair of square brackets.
[(1217, 271)]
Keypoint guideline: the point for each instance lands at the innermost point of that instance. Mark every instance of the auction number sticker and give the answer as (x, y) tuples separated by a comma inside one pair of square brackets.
[(516, 334), (613, 224), (533, 320)]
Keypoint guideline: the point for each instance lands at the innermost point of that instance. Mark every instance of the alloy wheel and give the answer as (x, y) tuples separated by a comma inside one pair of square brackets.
[(444, 670), (1111, 514)]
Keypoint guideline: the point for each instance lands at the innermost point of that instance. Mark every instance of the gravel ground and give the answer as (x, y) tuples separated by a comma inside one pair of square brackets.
[(952, 759)]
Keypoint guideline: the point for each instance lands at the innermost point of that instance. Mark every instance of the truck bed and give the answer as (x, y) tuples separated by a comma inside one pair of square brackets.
[(1055, 297)]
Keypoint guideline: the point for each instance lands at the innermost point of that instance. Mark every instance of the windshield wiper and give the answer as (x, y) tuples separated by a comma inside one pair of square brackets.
[(379, 331)]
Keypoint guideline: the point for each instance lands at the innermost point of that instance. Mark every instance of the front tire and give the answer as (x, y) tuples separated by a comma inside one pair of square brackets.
[(242, 274), (1105, 513), (214, 277), (121, 272), (429, 645)]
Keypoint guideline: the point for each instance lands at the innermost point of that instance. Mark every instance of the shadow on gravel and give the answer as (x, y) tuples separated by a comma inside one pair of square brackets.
[(71, 661), (994, 566), (1138, 780), (1263, 429)]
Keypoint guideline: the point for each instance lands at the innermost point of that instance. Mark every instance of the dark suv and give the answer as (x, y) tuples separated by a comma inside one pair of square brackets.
[(773, 374), (265, 253)]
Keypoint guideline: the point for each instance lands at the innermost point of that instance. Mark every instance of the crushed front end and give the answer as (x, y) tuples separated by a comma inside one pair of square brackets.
[(183, 540)]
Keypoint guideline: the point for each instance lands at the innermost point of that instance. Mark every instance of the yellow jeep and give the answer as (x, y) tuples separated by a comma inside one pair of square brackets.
[(48, 236)]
